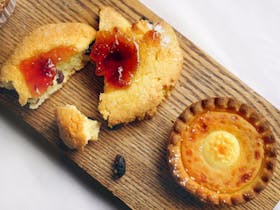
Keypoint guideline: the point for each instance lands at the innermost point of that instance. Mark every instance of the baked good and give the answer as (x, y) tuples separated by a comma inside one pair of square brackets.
[(75, 129), (140, 62), (45, 59), (222, 151), (6, 9)]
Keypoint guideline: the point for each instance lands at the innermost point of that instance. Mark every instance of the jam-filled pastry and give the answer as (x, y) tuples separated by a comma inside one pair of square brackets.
[(140, 63), (45, 59), (75, 129), (222, 151)]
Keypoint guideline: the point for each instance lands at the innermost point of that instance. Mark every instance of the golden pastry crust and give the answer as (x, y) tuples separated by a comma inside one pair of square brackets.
[(222, 151), (160, 64), (75, 129), (110, 18), (41, 40)]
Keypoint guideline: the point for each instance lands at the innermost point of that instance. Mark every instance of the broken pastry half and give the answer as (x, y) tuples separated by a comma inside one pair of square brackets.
[(222, 151), (75, 129), (45, 59), (140, 62)]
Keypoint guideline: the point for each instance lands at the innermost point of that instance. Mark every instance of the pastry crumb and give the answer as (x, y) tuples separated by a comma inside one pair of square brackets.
[(75, 129)]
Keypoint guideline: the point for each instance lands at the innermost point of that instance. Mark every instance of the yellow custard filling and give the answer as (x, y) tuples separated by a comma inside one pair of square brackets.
[(220, 149)]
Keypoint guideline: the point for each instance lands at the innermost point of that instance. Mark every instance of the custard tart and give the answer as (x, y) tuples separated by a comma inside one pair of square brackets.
[(222, 151)]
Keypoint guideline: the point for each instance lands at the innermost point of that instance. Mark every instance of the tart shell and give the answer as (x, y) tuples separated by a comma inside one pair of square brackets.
[(184, 179)]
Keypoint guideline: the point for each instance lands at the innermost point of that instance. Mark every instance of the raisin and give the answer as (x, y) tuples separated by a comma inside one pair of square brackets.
[(147, 19), (60, 77), (119, 166)]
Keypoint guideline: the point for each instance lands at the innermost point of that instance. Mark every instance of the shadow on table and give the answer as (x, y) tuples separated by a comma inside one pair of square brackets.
[(53, 153)]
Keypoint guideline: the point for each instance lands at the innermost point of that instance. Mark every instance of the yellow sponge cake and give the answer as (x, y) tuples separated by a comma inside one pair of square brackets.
[(141, 65), (45, 59)]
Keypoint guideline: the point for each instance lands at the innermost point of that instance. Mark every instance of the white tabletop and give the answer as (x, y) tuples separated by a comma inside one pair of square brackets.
[(244, 36)]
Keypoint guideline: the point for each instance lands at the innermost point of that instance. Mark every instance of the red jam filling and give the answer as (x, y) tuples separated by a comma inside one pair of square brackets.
[(40, 71), (116, 58)]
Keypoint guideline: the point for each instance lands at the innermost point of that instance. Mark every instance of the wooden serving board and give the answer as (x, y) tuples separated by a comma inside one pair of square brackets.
[(147, 183)]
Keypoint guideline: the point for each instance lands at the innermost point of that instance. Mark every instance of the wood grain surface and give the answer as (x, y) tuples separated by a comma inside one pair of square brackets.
[(147, 183)]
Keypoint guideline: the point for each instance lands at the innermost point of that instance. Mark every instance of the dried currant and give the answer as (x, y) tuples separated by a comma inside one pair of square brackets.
[(119, 166), (147, 19), (60, 77)]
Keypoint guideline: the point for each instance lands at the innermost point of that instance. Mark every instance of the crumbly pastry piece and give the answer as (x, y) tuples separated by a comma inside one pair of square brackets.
[(6, 9), (75, 129), (45, 59), (222, 151), (159, 66)]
